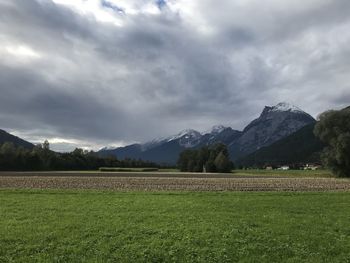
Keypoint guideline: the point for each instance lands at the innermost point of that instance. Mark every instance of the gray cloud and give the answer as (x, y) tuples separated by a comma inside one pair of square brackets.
[(65, 74)]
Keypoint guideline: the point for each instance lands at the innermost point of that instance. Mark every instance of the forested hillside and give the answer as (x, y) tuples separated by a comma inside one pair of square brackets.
[(41, 158), (7, 137), (299, 147)]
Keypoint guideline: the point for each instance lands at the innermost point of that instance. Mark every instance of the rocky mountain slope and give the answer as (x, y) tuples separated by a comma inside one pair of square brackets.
[(299, 147), (273, 124)]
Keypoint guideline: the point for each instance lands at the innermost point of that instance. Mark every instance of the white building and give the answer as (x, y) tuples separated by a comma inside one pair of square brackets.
[(284, 168)]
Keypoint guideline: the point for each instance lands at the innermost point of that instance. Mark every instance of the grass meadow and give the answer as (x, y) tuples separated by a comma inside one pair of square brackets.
[(105, 226)]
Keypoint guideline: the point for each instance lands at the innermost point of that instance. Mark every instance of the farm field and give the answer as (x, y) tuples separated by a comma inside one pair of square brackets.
[(138, 172), (172, 181), (105, 226)]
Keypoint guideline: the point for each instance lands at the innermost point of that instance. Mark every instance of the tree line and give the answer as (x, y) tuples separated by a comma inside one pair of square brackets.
[(41, 158), (211, 159)]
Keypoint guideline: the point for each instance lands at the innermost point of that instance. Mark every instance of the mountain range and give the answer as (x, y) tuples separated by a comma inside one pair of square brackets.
[(273, 124), (282, 133)]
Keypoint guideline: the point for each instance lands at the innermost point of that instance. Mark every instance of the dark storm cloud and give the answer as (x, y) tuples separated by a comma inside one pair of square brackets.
[(65, 73), (343, 99), (40, 104)]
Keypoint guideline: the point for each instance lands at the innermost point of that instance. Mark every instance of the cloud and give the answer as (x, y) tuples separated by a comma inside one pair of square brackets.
[(95, 73)]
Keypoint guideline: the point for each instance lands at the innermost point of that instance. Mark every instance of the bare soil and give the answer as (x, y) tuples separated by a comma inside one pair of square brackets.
[(167, 182)]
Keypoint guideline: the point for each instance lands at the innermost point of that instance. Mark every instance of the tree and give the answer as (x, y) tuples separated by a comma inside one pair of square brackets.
[(78, 152), (222, 163), (214, 159), (8, 148), (185, 161), (333, 128), (210, 163), (7, 156), (46, 145)]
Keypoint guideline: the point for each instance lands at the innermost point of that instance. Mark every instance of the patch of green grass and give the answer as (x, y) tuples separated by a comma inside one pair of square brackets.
[(292, 173), (91, 226)]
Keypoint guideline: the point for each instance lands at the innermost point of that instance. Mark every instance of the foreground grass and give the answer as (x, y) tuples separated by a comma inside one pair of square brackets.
[(80, 226)]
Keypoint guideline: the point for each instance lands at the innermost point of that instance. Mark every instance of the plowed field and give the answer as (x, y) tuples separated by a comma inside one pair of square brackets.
[(168, 182)]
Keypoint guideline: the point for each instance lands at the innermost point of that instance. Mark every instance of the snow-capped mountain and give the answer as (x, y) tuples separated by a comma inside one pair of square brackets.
[(219, 134), (215, 130), (187, 138), (167, 149), (285, 106), (273, 124)]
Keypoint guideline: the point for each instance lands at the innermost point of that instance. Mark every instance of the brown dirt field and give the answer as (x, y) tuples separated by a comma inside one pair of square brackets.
[(136, 175), (170, 183)]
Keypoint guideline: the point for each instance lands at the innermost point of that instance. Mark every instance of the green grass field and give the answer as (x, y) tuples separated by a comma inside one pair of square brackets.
[(91, 226)]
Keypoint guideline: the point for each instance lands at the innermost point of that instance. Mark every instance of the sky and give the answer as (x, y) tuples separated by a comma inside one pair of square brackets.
[(92, 73)]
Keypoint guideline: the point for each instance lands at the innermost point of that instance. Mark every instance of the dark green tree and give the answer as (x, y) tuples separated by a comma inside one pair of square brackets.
[(333, 128), (210, 163), (8, 148), (42, 158), (222, 163), (46, 145), (214, 159), (78, 152)]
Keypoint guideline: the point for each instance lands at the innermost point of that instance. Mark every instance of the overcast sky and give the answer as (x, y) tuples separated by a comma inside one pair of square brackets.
[(91, 73)]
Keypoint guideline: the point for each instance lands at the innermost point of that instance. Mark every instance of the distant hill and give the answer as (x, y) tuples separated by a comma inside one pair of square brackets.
[(299, 147), (274, 123), (7, 137)]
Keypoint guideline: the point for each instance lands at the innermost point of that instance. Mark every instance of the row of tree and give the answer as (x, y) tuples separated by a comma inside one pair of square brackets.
[(41, 158), (213, 158)]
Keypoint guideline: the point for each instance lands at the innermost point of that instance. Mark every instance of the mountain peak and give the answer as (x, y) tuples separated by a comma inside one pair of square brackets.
[(285, 106), (187, 138), (216, 129), (186, 132)]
